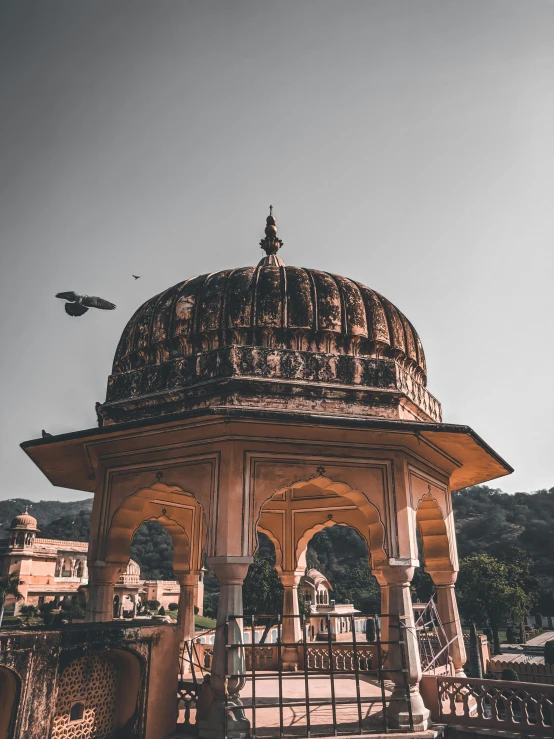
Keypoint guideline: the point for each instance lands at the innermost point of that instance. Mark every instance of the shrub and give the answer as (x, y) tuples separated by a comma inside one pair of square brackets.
[(511, 636), (161, 611), (370, 629), (509, 674), (173, 606), (538, 620), (153, 605), (27, 612), (47, 614)]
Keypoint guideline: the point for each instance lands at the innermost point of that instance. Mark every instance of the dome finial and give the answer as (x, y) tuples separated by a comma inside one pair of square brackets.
[(271, 244)]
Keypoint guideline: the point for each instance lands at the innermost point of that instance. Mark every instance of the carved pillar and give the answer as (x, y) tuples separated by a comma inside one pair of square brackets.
[(230, 572), (185, 617), (292, 631), (102, 579), (447, 607), (398, 575)]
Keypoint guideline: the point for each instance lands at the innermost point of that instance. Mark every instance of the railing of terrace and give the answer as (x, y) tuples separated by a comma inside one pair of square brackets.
[(523, 708)]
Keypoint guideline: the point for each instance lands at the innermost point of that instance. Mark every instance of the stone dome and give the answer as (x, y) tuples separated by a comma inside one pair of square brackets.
[(270, 323), (24, 521), (269, 306)]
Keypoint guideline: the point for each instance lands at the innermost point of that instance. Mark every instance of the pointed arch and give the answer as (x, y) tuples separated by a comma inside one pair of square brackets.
[(291, 516), (175, 509), (434, 534)]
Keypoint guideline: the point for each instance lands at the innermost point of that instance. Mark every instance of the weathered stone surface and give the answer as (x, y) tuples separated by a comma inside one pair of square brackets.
[(268, 306), (38, 659), (278, 378)]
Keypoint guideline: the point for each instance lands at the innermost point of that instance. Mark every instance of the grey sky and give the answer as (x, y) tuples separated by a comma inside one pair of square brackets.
[(407, 144)]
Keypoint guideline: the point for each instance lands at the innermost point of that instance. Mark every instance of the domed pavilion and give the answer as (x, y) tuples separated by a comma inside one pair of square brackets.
[(279, 400)]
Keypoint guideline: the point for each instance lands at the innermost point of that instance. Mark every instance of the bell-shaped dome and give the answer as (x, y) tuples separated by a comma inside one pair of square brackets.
[(24, 521), (302, 328)]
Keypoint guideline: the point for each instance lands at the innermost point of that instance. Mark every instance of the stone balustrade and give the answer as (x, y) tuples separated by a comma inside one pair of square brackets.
[(521, 708)]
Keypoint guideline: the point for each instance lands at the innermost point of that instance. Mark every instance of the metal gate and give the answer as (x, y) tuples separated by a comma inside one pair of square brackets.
[(341, 685)]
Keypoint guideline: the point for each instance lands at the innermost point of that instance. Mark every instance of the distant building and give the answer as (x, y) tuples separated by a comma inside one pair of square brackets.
[(56, 570), (317, 592)]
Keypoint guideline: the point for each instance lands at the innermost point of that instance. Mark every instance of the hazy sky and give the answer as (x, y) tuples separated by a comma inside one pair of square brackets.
[(409, 145)]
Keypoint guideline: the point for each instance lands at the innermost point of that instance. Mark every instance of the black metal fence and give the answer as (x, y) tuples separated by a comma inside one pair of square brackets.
[(347, 690)]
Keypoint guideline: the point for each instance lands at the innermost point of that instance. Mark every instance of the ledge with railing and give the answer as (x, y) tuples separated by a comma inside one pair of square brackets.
[(521, 708)]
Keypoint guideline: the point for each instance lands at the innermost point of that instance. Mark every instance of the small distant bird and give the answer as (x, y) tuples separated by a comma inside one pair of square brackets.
[(137, 277), (79, 304), (45, 434)]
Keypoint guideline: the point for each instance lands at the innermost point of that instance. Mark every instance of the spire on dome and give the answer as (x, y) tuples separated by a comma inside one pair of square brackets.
[(271, 244)]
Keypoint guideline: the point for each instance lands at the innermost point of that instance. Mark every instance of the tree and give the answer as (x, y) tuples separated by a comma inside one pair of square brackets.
[(262, 591), (8, 586), (492, 592)]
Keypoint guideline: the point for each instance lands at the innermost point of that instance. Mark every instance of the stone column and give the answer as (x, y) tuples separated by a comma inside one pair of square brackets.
[(398, 575), (102, 579), (292, 631), (185, 617), (230, 571), (447, 606)]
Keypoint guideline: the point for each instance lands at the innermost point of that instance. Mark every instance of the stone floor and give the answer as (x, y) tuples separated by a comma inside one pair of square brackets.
[(266, 720)]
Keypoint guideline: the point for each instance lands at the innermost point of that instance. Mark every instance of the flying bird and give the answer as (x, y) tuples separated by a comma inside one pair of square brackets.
[(79, 304), (137, 277)]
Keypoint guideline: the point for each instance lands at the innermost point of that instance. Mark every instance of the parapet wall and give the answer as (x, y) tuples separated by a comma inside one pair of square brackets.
[(98, 677)]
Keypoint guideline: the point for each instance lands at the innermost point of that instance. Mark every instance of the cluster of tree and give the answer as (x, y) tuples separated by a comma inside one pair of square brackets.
[(491, 522)]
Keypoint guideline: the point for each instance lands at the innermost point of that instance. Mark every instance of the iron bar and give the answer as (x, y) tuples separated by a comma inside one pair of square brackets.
[(332, 676), (253, 678), (402, 643), (306, 681), (380, 673), (280, 672), (356, 672), (226, 671)]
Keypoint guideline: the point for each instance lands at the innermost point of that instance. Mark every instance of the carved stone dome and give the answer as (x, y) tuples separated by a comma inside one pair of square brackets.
[(24, 521), (289, 333), (273, 307)]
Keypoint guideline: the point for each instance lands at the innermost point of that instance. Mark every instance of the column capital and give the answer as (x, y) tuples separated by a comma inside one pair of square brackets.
[(443, 578), (103, 573), (397, 572), (291, 579), (187, 578), (229, 569)]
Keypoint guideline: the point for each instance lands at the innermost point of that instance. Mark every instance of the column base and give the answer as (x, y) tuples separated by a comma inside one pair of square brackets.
[(213, 725), (399, 716), (291, 659)]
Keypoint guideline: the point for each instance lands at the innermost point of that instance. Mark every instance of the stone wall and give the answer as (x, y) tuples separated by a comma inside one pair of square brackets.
[(87, 680)]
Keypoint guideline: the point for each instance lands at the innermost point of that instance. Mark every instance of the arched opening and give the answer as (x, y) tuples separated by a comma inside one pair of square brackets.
[(113, 703), (337, 560), (9, 698), (153, 550)]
